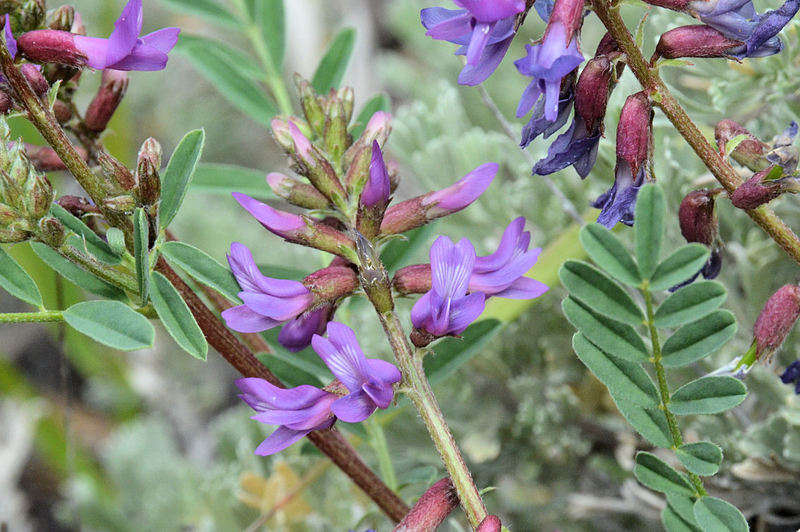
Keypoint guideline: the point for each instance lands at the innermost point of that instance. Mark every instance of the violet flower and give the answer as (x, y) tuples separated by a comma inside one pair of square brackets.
[(11, 42), (378, 188), (552, 59), (447, 309), (737, 19), (369, 380), (539, 124), (298, 411), (577, 146), (122, 50), (484, 30), (267, 302), (792, 375), (501, 274)]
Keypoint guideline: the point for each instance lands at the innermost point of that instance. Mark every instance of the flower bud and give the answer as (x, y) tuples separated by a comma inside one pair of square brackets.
[(336, 137), (77, 205), (50, 46), (697, 40), (568, 13), (309, 101), (147, 167), (6, 103), (634, 132), (31, 15), (116, 172), (299, 229), (592, 92), (698, 218), (62, 112), (62, 18), (35, 79), (763, 187), (296, 193), (378, 128), (38, 196), (109, 95), (776, 320), (491, 523), (45, 158), (431, 509), (418, 211), (51, 232), (751, 152), (331, 284), (414, 279)]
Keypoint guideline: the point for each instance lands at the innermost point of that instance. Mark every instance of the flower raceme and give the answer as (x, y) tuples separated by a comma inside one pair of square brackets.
[(305, 408), (484, 30), (122, 50)]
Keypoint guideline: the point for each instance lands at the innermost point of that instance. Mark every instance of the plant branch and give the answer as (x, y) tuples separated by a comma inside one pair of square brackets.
[(32, 317), (663, 98), (330, 442)]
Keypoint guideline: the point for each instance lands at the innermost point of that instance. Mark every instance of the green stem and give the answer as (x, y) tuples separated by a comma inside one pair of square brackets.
[(419, 391), (661, 95), (663, 388), (103, 271), (377, 440), (32, 317)]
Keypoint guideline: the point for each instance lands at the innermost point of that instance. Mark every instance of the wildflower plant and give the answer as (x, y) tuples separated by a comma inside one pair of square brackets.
[(310, 367)]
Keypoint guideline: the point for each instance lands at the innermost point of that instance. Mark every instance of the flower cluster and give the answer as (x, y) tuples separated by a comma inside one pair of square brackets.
[(298, 411)]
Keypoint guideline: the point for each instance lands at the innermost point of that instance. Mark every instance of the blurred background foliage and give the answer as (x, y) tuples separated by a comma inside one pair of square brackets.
[(155, 440)]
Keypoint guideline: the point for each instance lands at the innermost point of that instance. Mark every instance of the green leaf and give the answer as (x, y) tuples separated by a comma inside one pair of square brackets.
[(17, 282), (208, 9), (609, 253), (615, 338), (331, 68), (678, 267), (141, 254), (176, 178), (453, 353), (656, 474), (111, 323), (379, 102), (651, 423), (626, 381), (196, 45), (176, 316), (77, 275), (698, 339), (271, 20), (649, 227), (202, 267), (708, 395), (690, 303), (673, 522), (226, 178), (701, 458), (90, 242), (683, 506), (719, 516), (598, 291), (242, 92), (116, 240)]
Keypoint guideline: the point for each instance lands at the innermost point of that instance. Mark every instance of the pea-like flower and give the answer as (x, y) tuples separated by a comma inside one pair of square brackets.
[(122, 50), (484, 30), (447, 308)]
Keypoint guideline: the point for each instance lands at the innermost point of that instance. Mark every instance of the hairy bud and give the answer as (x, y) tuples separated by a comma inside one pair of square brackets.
[(116, 172), (750, 152), (695, 41), (776, 320), (431, 509), (35, 79), (109, 95), (698, 222), (50, 46), (147, 167), (763, 187)]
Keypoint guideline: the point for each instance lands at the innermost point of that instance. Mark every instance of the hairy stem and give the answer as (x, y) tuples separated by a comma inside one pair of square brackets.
[(421, 395), (663, 98), (105, 272), (32, 317), (330, 442), (663, 388)]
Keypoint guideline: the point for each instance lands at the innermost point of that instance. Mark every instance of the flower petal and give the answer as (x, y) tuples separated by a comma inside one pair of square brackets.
[(125, 34), (490, 59), (445, 24), (383, 370), (163, 40), (277, 308), (466, 310), (505, 250), (353, 408), (297, 333), (242, 319), (381, 393), (262, 395), (343, 356), (523, 288), (279, 440), (278, 222)]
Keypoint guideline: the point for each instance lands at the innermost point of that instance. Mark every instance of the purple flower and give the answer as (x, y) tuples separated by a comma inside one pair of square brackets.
[(267, 302), (539, 124), (296, 335), (11, 43), (484, 30), (547, 63), (619, 202), (378, 188), (792, 375), (737, 19), (298, 411), (577, 146), (124, 49), (446, 308), (501, 274), (369, 380)]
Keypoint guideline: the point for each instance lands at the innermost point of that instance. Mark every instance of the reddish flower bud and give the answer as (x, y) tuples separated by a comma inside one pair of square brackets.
[(109, 95), (62, 112), (332, 283), (491, 523), (431, 509), (295, 192), (751, 152), (50, 46), (695, 41), (592, 92), (77, 205), (45, 158), (35, 78), (698, 218), (763, 187), (776, 320), (414, 279), (115, 171), (634, 131)]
